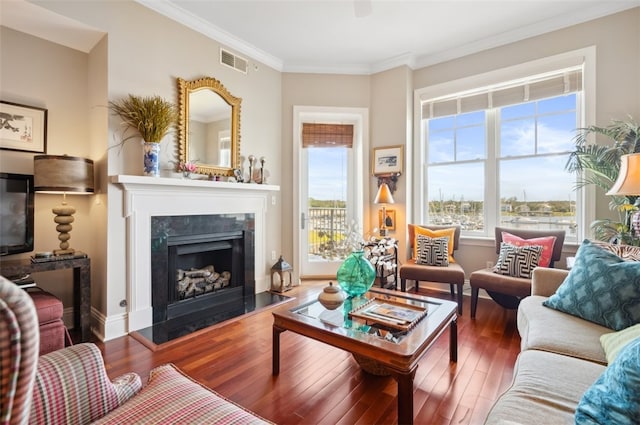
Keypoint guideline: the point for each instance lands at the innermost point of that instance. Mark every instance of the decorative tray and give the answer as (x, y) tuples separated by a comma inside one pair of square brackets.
[(393, 314)]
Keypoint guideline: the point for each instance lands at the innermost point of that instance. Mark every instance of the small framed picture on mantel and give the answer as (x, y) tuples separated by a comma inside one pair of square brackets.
[(22, 127), (387, 160)]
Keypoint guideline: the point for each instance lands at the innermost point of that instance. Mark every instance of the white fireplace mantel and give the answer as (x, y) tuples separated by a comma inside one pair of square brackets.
[(146, 197)]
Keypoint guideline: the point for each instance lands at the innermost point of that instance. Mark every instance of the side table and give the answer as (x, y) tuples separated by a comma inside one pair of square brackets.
[(81, 285)]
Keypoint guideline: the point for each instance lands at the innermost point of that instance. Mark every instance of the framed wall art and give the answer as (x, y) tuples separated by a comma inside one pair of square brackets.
[(22, 127), (389, 221), (387, 160)]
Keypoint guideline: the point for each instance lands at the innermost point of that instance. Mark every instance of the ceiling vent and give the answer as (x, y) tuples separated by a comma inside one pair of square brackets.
[(233, 61)]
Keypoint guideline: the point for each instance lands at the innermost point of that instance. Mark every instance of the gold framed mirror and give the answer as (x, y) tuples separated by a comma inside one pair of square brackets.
[(208, 126)]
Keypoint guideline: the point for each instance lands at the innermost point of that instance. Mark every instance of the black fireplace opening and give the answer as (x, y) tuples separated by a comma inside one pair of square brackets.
[(209, 270), (201, 262), (201, 267)]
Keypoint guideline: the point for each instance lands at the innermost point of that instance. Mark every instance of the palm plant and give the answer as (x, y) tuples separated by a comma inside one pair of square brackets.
[(599, 165)]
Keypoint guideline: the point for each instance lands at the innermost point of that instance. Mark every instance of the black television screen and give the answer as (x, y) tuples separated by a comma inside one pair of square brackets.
[(16, 213)]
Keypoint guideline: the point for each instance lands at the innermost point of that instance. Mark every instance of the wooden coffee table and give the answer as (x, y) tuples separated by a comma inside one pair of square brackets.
[(394, 349)]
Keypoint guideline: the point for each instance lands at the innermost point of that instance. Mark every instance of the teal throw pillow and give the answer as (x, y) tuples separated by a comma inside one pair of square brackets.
[(601, 287), (614, 397)]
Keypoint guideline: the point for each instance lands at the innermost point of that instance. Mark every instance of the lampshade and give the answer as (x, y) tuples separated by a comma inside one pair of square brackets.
[(63, 174), (384, 195), (628, 181)]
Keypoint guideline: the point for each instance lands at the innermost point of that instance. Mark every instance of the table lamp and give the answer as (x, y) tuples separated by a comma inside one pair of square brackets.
[(63, 174), (628, 181), (383, 197)]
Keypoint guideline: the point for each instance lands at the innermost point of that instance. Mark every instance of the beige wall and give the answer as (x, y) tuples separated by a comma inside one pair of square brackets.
[(617, 42), (391, 118), (38, 73), (311, 90), (143, 53)]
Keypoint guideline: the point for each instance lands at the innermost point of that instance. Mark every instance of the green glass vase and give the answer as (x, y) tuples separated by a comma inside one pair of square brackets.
[(356, 274)]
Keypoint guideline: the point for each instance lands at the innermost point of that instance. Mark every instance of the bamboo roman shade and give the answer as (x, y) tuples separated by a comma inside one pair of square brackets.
[(327, 135), (538, 87)]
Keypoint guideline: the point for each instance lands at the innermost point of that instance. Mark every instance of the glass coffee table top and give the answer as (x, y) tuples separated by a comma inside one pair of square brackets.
[(340, 320)]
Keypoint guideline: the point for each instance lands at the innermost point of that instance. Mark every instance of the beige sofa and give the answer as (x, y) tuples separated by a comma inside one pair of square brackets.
[(561, 357)]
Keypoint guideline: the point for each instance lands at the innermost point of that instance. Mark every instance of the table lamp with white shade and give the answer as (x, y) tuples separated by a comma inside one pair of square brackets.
[(383, 197)]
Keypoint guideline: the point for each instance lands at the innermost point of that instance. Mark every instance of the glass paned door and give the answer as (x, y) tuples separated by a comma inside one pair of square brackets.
[(329, 173), (325, 199)]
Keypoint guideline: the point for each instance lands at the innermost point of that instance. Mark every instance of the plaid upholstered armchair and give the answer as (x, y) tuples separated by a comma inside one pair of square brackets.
[(71, 386), (65, 386)]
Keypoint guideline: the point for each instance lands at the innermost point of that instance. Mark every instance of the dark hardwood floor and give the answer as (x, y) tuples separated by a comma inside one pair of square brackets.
[(319, 384)]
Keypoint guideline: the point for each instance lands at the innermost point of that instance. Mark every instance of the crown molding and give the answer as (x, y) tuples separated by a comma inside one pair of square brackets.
[(188, 19)]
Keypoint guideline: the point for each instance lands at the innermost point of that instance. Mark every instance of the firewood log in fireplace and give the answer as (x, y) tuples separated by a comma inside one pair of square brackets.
[(203, 272), (200, 281), (222, 281), (197, 284)]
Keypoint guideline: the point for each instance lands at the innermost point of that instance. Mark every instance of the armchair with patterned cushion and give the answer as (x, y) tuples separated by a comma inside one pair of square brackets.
[(71, 385), (432, 258), (519, 252)]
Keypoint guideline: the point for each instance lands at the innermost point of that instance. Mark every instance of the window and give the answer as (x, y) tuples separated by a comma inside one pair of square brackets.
[(495, 156), (224, 141)]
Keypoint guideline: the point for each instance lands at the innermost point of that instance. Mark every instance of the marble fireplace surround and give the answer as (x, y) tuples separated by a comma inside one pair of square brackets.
[(146, 197)]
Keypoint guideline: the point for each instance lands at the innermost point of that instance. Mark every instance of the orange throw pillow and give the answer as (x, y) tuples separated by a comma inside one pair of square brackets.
[(546, 242), (440, 233)]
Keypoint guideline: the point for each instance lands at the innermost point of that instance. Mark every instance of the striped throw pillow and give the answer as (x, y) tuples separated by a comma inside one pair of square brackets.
[(626, 252), (517, 261), (433, 251)]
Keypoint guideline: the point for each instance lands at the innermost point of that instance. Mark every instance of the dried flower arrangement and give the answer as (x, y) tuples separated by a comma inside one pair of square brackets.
[(152, 117)]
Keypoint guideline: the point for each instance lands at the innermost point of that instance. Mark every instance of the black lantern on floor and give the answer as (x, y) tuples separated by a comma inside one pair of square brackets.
[(281, 280)]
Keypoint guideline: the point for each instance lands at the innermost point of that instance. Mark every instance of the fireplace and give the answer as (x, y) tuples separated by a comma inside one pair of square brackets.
[(201, 262), (145, 199)]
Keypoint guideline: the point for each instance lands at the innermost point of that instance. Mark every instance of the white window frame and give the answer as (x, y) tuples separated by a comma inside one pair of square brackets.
[(224, 147), (585, 197)]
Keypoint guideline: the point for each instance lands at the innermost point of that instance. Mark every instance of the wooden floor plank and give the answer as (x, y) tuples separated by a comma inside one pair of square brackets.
[(319, 384)]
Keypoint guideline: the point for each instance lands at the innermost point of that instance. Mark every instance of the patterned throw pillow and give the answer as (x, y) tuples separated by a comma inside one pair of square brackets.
[(601, 287), (517, 261), (546, 242), (613, 398), (433, 251), (626, 252), (448, 232)]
